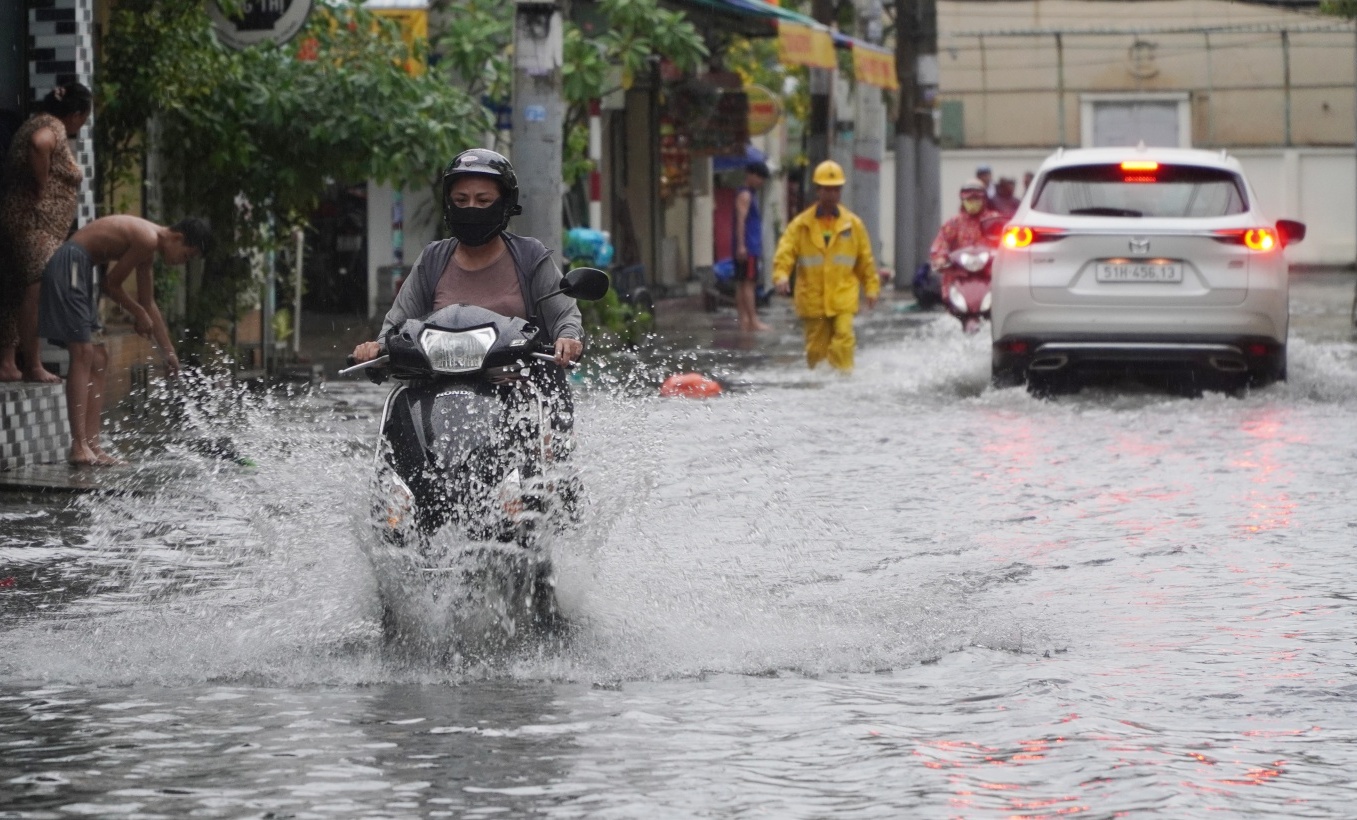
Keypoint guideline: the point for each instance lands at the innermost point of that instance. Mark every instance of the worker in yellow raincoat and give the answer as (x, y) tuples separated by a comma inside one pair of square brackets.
[(829, 249)]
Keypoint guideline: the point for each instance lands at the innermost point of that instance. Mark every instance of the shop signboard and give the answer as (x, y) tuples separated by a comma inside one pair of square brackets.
[(765, 110), (259, 21), (799, 44), (875, 66)]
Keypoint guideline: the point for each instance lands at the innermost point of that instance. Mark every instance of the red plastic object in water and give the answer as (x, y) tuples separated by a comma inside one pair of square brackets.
[(689, 386)]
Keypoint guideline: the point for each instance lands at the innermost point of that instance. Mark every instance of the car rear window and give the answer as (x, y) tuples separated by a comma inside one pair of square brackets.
[(1166, 191)]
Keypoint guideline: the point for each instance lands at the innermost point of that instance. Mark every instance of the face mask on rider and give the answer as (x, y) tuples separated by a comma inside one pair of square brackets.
[(476, 226), (972, 206)]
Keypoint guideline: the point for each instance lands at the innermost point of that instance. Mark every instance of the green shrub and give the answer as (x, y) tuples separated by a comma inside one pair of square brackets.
[(613, 321)]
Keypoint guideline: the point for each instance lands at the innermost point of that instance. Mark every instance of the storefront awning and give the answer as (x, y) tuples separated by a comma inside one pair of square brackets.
[(805, 41)]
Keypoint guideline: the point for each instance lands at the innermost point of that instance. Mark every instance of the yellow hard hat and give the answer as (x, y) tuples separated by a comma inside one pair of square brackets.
[(829, 174)]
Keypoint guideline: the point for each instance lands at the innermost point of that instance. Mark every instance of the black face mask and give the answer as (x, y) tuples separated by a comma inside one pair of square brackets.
[(476, 226)]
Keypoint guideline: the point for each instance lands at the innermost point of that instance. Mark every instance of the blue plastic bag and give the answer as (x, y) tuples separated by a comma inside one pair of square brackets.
[(723, 270), (589, 247)]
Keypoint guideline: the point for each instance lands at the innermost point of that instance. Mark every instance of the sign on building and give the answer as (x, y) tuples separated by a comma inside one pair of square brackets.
[(260, 21)]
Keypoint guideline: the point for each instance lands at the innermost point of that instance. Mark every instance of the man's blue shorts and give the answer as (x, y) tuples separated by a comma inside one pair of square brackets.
[(69, 308)]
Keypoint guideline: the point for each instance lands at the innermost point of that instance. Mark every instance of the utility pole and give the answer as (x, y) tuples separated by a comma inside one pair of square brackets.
[(869, 134), (538, 118), (917, 159), (821, 90)]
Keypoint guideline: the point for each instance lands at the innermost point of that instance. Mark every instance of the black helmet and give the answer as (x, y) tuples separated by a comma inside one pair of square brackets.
[(488, 163)]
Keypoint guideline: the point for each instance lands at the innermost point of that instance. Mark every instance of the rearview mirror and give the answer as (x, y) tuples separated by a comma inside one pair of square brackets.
[(1290, 231), (588, 284)]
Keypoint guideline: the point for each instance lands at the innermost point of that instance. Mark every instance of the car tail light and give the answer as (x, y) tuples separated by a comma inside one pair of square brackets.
[(1260, 239), (1020, 236), (1139, 171), (1255, 239), (1017, 236), (1017, 347)]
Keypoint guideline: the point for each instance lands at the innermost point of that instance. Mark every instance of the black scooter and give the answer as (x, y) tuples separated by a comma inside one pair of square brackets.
[(471, 470)]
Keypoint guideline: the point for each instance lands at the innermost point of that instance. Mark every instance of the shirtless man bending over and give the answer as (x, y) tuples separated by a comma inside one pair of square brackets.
[(69, 311)]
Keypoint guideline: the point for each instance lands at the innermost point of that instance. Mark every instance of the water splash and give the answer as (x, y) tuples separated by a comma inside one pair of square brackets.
[(729, 535)]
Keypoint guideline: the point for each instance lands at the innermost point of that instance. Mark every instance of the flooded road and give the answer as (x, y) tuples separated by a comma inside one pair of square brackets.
[(901, 594)]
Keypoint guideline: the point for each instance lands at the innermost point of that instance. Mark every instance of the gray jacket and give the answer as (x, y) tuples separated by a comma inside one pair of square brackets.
[(537, 275)]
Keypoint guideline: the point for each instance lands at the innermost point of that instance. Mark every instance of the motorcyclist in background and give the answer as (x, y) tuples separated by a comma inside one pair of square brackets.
[(964, 230)]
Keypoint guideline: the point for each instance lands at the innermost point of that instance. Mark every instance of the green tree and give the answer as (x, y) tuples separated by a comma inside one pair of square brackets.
[(475, 46), (253, 138)]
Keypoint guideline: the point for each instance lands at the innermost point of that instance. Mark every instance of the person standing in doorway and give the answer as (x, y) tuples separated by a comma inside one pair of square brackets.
[(749, 246), (828, 248), (38, 208)]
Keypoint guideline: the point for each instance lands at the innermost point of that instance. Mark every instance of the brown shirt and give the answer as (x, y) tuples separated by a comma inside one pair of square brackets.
[(37, 227), (493, 287)]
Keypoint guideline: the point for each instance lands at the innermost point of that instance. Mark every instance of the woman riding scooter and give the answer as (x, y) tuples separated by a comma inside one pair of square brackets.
[(485, 265), (471, 464), (966, 231)]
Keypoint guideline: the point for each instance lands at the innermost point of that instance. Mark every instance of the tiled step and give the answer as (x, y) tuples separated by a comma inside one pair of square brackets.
[(33, 427)]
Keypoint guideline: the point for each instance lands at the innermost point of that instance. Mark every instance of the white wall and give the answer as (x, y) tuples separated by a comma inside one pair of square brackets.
[(421, 228), (1317, 186)]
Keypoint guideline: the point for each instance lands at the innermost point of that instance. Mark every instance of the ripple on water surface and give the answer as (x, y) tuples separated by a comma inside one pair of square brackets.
[(904, 590)]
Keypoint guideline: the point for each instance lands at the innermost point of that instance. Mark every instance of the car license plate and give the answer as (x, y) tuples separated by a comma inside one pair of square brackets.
[(1139, 272)]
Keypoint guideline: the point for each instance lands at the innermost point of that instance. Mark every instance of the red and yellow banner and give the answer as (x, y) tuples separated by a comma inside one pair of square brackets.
[(803, 45), (413, 24), (875, 67)]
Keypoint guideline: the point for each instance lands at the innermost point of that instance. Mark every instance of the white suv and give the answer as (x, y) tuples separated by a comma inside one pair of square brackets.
[(1145, 261)]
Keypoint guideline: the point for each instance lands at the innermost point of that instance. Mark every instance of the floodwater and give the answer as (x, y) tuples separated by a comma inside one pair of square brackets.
[(903, 594)]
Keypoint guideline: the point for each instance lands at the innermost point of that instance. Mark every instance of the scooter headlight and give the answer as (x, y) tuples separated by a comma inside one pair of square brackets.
[(958, 299), (511, 499), (461, 351), (399, 503), (973, 261)]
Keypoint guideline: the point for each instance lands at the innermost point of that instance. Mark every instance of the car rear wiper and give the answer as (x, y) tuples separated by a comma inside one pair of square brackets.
[(1104, 212)]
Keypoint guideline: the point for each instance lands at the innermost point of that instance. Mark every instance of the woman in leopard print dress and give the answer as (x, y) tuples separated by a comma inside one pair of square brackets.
[(41, 192)]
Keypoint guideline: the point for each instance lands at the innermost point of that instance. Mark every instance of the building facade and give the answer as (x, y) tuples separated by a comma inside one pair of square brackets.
[(1272, 84)]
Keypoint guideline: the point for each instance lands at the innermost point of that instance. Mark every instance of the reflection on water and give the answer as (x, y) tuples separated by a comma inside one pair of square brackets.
[(902, 593)]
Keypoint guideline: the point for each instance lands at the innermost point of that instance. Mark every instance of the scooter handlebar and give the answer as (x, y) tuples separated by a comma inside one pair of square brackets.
[(547, 353), (380, 361)]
